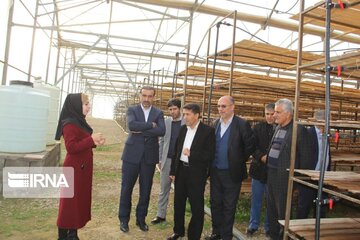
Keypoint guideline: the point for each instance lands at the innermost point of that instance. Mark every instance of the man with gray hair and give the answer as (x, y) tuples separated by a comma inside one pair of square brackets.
[(278, 161)]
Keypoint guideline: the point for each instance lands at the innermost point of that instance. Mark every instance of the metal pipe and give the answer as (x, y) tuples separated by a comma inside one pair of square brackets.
[(325, 144), (232, 55), (174, 83), (213, 71), (243, 16), (188, 51), (7, 45), (33, 40), (50, 48)]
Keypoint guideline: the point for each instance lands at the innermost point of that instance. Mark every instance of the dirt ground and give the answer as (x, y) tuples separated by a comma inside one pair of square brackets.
[(36, 218)]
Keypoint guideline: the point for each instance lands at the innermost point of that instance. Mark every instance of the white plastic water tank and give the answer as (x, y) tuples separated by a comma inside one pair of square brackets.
[(23, 118), (54, 93)]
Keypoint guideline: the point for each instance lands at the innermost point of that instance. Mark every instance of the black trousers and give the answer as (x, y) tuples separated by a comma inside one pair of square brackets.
[(306, 202), (277, 183), (189, 184), (224, 195)]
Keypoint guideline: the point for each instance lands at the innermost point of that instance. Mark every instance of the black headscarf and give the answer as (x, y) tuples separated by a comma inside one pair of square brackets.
[(72, 113)]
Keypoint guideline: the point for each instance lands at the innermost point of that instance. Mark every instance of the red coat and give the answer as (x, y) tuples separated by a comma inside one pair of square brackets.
[(75, 212)]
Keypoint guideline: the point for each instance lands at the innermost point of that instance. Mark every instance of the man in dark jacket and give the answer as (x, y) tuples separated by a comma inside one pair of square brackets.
[(278, 161), (189, 169), (263, 133), (235, 142), (307, 195)]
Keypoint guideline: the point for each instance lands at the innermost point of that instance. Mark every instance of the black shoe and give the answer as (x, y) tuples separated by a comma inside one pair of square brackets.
[(250, 231), (62, 233), (213, 236), (142, 225), (157, 220), (72, 235), (124, 227), (175, 236)]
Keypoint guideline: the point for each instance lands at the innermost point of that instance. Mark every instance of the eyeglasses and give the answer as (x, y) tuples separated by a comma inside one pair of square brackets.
[(222, 106)]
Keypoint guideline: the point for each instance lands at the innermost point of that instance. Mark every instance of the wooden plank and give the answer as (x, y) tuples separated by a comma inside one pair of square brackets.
[(346, 20), (330, 228), (344, 181)]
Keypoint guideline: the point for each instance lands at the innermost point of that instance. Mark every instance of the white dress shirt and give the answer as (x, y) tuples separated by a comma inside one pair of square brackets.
[(146, 112), (188, 141)]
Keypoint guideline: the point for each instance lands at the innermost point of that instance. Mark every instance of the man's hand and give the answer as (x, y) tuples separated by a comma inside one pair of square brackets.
[(154, 124), (186, 152), (263, 158), (172, 178)]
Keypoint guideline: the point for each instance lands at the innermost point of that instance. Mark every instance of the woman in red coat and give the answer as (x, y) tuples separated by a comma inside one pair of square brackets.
[(75, 212)]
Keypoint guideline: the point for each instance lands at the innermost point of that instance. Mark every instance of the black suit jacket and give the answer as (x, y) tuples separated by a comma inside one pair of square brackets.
[(263, 133), (315, 150), (240, 146), (202, 149)]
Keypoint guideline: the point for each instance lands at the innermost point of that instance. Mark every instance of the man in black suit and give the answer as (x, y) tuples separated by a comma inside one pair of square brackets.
[(307, 195), (140, 155), (189, 169), (235, 142)]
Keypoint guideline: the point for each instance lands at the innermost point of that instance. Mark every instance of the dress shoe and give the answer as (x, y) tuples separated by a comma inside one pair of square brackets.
[(63, 233), (213, 236), (157, 220), (250, 231), (175, 236), (142, 225), (72, 235), (124, 226)]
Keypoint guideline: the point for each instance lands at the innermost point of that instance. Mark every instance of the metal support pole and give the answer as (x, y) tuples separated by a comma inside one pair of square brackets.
[(7, 46), (161, 87), (33, 40), (188, 51), (50, 47), (62, 82), (232, 55), (213, 71), (174, 83), (325, 143)]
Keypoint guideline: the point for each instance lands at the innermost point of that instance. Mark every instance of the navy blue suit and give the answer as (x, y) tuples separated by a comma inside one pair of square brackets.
[(140, 155)]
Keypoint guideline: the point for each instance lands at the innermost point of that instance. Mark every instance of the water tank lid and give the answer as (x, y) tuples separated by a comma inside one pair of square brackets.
[(23, 83)]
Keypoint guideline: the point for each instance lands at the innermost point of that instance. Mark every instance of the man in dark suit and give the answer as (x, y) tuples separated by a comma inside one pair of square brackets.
[(278, 161), (235, 142), (307, 195), (189, 169), (140, 155)]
